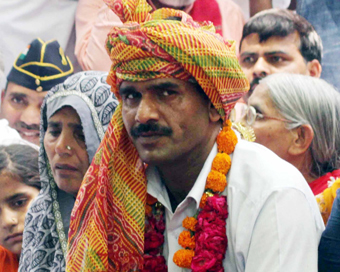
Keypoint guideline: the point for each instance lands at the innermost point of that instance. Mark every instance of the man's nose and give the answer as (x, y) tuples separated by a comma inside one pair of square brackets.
[(261, 68), (147, 110), (31, 115)]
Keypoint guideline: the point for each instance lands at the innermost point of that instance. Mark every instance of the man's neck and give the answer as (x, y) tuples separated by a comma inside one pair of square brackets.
[(179, 177)]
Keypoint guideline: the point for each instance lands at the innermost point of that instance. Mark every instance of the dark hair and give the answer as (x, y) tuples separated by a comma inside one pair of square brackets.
[(282, 22), (21, 161)]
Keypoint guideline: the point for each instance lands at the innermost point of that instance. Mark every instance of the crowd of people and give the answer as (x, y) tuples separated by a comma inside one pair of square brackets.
[(169, 135)]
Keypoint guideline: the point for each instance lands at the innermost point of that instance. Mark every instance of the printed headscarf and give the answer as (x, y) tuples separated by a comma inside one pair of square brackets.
[(47, 220), (107, 222)]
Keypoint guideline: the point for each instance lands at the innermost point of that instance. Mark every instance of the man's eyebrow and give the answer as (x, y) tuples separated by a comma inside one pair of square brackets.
[(15, 196), (127, 89), (21, 95), (275, 53), (164, 85), (248, 54)]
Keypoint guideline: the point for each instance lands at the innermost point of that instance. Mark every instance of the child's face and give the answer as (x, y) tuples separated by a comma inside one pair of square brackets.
[(15, 198)]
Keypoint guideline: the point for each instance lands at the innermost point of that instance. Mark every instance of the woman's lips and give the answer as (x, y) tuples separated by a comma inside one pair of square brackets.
[(60, 166), (16, 237)]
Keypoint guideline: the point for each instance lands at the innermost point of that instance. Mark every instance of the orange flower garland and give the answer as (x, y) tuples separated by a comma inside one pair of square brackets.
[(183, 257), (190, 223), (216, 183)]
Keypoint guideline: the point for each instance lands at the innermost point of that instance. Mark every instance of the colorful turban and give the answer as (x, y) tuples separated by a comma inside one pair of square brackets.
[(107, 222)]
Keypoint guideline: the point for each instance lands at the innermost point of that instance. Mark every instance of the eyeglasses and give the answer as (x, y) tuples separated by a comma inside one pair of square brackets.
[(250, 115)]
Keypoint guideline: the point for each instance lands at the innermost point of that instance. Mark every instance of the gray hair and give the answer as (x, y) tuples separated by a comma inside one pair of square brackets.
[(306, 100)]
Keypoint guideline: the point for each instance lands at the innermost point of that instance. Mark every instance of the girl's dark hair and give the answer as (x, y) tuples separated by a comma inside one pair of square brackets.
[(21, 161)]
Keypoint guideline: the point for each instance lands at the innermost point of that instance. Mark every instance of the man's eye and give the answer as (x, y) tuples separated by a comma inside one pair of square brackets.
[(132, 96), (20, 203), (167, 92), (248, 60), (18, 100), (276, 59)]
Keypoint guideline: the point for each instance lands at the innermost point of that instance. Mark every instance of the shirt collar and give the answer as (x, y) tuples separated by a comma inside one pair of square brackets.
[(157, 189)]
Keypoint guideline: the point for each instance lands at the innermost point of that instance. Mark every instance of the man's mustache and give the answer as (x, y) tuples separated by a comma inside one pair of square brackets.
[(255, 82), (28, 127), (137, 130)]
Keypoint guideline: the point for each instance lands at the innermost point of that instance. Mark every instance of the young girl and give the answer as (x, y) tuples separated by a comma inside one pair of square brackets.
[(19, 185)]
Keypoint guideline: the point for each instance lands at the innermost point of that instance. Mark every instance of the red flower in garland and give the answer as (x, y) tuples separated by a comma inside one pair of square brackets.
[(154, 264), (210, 236), (153, 242), (204, 262)]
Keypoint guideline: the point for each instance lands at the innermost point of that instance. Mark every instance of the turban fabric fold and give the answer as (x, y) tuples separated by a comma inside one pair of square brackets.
[(107, 222)]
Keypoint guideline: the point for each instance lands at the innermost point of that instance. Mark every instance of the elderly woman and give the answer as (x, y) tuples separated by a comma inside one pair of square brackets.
[(297, 117), (74, 117)]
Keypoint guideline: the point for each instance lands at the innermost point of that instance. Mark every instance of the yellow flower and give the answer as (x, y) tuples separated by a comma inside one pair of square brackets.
[(185, 240), (221, 163), (203, 200), (189, 223), (216, 181), (226, 140), (183, 257)]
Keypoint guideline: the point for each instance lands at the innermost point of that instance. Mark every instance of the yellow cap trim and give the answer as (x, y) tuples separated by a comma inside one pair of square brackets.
[(42, 65), (45, 78)]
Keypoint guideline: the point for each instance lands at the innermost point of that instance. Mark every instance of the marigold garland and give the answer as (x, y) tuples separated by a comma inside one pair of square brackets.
[(221, 163), (204, 200), (204, 239), (211, 219), (189, 223), (226, 139), (186, 240), (216, 181), (183, 257)]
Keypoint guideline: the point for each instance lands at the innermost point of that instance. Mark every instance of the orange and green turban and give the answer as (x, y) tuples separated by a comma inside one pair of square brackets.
[(107, 222)]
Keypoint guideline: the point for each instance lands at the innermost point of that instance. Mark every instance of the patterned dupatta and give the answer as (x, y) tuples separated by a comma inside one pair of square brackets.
[(44, 239), (107, 222)]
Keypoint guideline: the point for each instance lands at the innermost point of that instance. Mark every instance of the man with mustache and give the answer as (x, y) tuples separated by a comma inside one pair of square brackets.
[(36, 70), (279, 40), (171, 185)]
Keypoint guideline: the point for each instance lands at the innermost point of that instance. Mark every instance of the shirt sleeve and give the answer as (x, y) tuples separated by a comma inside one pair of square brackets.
[(94, 21), (285, 236)]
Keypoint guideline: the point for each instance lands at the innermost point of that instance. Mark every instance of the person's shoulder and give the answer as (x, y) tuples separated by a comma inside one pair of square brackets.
[(257, 169)]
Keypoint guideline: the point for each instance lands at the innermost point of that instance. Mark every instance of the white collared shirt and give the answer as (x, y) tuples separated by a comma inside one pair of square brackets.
[(274, 223)]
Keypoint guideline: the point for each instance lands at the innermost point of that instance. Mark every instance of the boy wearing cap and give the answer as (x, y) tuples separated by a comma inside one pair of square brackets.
[(36, 70)]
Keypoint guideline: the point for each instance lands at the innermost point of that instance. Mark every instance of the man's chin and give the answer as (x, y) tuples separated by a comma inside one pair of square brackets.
[(32, 138)]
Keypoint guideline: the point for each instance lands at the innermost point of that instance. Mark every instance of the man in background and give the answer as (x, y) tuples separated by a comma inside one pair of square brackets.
[(279, 40), (36, 70)]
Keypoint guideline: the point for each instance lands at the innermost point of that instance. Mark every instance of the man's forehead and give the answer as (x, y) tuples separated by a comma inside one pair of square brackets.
[(15, 89), (153, 83), (273, 43)]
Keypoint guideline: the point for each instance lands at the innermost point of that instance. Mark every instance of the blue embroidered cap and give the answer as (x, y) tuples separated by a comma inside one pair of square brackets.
[(41, 66)]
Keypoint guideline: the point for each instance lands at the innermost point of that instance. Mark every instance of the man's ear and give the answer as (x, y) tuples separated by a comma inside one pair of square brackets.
[(314, 68), (302, 139), (213, 113)]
